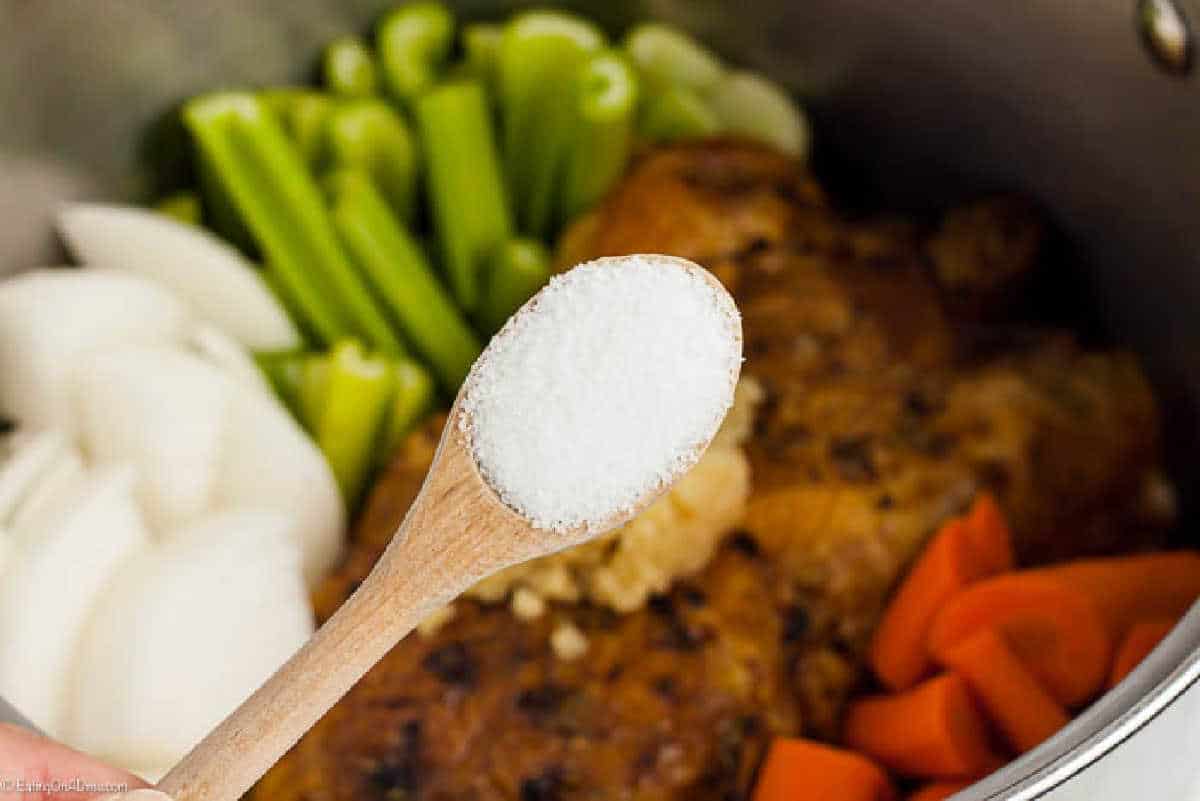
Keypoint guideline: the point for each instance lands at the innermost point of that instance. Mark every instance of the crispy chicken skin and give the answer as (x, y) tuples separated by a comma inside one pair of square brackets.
[(872, 432)]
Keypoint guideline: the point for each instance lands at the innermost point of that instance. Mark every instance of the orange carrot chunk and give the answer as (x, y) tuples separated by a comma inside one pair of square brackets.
[(931, 731), (1010, 695), (939, 791), (796, 770), (1137, 645), (1130, 589), (1053, 628), (898, 654), (990, 536)]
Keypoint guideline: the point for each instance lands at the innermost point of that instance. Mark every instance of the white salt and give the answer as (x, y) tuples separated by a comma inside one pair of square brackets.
[(603, 389)]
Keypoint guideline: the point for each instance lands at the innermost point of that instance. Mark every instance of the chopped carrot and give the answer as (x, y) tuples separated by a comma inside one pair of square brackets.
[(1130, 589), (898, 654), (1053, 628), (1137, 645), (990, 536), (801, 769), (1010, 695), (931, 731), (939, 791)]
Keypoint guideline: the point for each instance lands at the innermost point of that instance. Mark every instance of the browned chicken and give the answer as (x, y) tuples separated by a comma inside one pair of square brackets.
[(873, 431)]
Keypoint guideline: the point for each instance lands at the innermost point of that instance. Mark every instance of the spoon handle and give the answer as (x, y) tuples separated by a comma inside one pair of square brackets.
[(454, 534)]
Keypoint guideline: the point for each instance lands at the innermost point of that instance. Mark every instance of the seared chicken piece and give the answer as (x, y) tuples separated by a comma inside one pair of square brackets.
[(869, 436)]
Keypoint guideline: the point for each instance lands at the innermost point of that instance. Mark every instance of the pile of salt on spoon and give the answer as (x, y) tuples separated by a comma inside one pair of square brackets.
[(603, 389)]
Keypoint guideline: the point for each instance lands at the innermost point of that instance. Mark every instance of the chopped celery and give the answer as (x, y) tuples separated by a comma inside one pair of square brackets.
[(518, 269), (605, 102), (676, 112), (371, 135), (750, 105), (357, 389), (284, 371), (412, 398), (398, 271), (667, 56), (414, 42), (303, 114), (182, 207), (348, 67), (539, 54), (314, 374), (469, 210), (281, 205), (481, 47)]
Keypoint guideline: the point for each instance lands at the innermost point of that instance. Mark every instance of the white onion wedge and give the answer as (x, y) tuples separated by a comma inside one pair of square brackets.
[(51, 318), (269, 462), (191, 627), (231, 357), (163, 410), (211, 276), (29, 457), (59, 481), (53, 576)]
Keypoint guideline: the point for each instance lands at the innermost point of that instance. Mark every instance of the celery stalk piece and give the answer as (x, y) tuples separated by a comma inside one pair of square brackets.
[(303, 113), (539, 56), (412, 399), (481, 50), (182, 207), (414, 42), (398, 271), (371, 135), (676, 112), (219, 211), (311, 392), (357, 391), (519, 268), (282, 207), (757, 108), (470, 213), (284, 371), (348, 68), (666, 56), (606, 98)]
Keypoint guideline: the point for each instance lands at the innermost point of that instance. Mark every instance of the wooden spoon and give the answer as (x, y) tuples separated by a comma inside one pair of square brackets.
[(457, 531)]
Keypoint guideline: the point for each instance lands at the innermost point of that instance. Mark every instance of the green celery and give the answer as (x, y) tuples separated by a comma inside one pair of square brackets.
[(282, 206), (666, 56), (284, 371), (413, 398), (398, 271), (481, 51), (182, 207), (539, 55), (355, 403), (311, 391), (348, 68), (470, 213), (676, 112), (414, 42), (371, 135), (752, 106), (303, 113), (605, 102), (518, 269)]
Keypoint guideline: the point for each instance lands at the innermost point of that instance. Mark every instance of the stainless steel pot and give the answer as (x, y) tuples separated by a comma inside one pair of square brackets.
[(1062, 99)]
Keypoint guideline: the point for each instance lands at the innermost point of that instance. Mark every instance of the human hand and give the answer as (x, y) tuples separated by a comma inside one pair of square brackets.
[(35, 768)]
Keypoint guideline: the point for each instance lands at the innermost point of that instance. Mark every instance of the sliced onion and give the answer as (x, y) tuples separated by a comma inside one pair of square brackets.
[(52, 319), (211, 276), (191, 627), (163, 410), (54, 574)]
